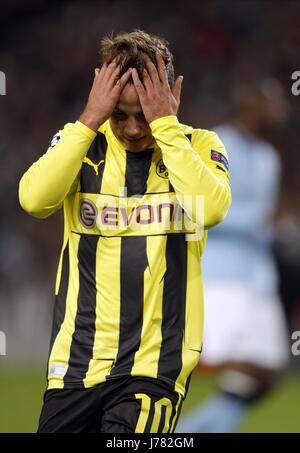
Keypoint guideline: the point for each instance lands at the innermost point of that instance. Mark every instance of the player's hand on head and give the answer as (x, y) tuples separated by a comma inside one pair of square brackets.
[(104, 95), (157, 98)]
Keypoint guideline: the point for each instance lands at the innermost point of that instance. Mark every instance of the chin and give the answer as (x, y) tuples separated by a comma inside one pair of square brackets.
[(135, 148)]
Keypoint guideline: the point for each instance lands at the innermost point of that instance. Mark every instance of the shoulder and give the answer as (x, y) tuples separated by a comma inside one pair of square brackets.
[(202, 137), (209, 146)]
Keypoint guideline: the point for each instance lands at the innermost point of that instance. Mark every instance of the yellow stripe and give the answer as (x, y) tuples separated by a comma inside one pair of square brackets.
[(59, 269), (168, 418), (157, 415), (107, 310), (194, 299), (115, 166), (60, 352), (146, 358), (144, 413), (97, 372), (194, 316)]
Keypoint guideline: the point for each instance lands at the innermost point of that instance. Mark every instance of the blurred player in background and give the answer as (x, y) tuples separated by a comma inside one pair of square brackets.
[(127, 327), (245, 332)]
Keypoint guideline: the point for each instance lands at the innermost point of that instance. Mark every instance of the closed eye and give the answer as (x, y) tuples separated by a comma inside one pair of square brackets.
[(141, 116), (120, 115)]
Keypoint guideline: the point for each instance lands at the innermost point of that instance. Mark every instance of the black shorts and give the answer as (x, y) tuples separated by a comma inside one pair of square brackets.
[(130, 405)]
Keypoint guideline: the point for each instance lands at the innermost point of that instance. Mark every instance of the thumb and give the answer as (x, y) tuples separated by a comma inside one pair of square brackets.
[(176, 90)]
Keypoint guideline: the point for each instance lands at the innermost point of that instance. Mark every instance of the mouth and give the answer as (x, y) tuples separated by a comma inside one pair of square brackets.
[(133, 140)]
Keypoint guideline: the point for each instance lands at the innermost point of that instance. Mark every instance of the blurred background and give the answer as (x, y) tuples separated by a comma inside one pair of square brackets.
[(48, 52)]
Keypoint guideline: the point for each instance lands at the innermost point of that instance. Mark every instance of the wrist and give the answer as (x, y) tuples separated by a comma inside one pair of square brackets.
[(91, 120)]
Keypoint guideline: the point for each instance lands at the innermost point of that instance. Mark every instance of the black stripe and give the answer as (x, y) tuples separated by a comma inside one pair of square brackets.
[(174, 302), (162, 419), (133, 265), (220, 168), (60, 299), (83, 337), (173, 413), (176, 414), (90, 182), (150, 417), (137, 171), (171, 188)]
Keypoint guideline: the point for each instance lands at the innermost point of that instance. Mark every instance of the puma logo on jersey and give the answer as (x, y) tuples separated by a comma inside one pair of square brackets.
[(92, 164)]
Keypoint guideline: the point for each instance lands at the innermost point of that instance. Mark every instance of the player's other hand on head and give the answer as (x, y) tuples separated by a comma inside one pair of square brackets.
[(104, 95), (156, 96)]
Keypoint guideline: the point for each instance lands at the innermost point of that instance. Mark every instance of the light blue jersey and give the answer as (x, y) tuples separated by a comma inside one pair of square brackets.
[(239, 249)]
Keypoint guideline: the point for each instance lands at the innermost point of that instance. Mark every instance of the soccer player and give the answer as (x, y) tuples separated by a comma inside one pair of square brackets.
[(245, 333), (127, 326)]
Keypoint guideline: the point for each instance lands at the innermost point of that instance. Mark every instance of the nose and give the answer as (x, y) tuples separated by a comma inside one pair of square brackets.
[(132, 128)]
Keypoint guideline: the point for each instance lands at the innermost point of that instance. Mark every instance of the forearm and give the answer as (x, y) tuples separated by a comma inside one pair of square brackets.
[(189, 175), (47, 182)]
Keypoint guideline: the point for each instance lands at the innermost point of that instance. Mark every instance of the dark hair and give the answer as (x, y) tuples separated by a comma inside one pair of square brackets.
[(130, 49)]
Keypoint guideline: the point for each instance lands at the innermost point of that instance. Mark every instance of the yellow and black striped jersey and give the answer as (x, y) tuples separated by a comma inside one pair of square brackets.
[(129, 286)]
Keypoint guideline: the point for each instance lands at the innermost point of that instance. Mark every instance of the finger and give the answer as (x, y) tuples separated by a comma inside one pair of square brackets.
[(123, 80), (100, 72), (152, 71), (114, 77), (138, 84), (97, 74), (176, 90), (110, 69), (147, 80), (97, 78), (162, 70)]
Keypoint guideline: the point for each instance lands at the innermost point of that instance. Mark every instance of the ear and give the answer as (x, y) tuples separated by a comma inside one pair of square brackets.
[(176, 89)]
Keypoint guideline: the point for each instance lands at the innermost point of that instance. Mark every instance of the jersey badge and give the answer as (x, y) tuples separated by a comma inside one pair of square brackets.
[(162, 170), (220, 158)]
